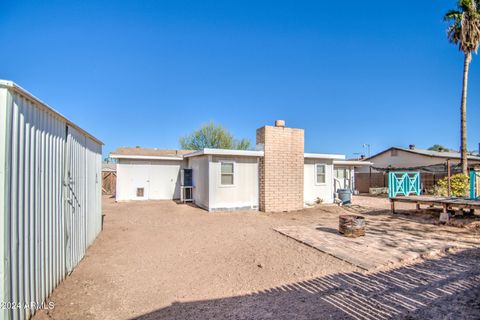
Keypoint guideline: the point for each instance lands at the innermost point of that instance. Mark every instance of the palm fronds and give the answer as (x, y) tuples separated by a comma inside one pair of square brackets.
[(464, 29)]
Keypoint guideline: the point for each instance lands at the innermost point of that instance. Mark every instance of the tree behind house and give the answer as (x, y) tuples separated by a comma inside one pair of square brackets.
[(438, 147), (212, 136), (464, 31)]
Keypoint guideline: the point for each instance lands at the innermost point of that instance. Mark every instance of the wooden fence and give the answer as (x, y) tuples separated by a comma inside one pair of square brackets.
[(109, 182), (365, 181)]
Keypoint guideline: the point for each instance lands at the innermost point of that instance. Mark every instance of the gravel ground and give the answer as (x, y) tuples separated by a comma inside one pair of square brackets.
[(444, 288), (160, 260), (151, 254)]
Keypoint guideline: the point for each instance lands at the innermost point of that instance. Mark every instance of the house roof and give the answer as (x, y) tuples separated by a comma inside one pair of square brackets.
[(225, 152), (130, 151), (171, 154), (428, 153), (148, 153), (256, 153), (43, 106)]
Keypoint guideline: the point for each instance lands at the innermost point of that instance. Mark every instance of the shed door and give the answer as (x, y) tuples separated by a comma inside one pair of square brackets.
[(149, 180), (164, 180), (75, 191)]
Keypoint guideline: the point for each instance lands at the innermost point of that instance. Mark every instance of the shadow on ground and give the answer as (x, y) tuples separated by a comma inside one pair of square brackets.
[(448, 287)]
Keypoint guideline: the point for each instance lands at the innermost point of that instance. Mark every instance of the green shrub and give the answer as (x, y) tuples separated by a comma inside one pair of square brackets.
[(459, 186)]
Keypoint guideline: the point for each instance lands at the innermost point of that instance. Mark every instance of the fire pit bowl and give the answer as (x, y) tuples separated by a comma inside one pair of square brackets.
[(352, 226)]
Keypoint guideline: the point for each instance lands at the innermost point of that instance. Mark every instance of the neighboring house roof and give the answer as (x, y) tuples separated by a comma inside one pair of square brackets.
[(428, 153)]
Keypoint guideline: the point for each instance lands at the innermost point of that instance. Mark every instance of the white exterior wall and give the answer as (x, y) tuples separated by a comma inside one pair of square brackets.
[(42, 239), (200, 165), (311, 189), (243, 194), (405, 159), (208, 193), (159, 178)]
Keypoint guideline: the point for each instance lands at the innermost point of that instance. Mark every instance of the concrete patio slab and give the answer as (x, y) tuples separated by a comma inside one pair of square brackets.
[(382, 246)]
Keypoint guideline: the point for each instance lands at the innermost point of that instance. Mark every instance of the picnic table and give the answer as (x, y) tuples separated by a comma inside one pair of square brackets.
[(446, 203)]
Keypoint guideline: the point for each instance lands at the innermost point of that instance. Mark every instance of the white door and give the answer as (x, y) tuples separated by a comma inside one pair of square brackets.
[(164, 177), (342, 178)]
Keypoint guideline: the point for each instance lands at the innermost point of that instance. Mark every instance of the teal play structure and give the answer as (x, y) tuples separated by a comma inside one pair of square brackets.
[(474, 185), (403, 183)]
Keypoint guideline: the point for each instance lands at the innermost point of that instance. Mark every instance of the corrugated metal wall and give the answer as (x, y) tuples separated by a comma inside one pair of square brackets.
[(83, 187), (94, 190), (47, 224)]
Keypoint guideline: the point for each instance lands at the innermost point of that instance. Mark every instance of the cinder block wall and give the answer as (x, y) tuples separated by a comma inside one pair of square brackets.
[(281, 168)]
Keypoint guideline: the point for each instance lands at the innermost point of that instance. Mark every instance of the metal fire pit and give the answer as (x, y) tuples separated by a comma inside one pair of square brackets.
[(351, 225)]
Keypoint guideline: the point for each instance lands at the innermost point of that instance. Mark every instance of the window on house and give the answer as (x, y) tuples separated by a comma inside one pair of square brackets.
[(320, 170), (140, 192), (227, 173), (394, 152)]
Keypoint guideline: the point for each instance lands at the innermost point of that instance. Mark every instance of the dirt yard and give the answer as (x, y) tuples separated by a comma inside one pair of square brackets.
[(161, 260)]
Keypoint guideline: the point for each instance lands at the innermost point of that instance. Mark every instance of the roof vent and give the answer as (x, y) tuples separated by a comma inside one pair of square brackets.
[(411, 147), (279, 123)]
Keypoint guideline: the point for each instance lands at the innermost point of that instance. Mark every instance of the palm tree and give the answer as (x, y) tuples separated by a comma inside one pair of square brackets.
[(464, 31)]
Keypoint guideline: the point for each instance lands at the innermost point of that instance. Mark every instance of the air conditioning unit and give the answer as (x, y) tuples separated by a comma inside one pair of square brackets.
[(186, 177), (186, 185)]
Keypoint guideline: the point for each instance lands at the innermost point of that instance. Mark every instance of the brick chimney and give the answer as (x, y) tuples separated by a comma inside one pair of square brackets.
[(281, 168)]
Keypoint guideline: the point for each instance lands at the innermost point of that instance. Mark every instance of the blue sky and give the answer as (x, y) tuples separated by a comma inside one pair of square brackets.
[(146, 72)]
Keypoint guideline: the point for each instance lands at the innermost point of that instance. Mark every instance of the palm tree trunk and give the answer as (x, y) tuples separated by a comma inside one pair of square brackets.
[(463, 114)]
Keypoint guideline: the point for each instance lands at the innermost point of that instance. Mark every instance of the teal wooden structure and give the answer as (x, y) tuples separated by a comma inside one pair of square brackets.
[(474, 185), (403, 183)]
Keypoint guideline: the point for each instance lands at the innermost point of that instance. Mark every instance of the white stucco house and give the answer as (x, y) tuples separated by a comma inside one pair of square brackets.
[(237, 179)]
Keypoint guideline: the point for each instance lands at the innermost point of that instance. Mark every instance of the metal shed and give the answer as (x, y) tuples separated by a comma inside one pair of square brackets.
[(50, 199)]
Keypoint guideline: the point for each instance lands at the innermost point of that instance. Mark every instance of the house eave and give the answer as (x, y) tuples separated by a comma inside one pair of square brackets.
[(225, 152), (324, 156), (139, 157), (356, 163)]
